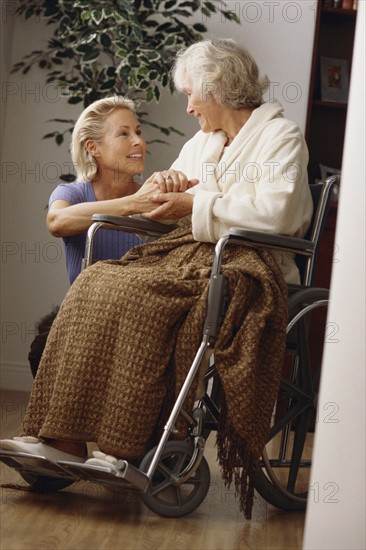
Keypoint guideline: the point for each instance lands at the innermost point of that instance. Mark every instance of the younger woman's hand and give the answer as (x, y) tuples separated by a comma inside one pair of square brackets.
[(141, 199)]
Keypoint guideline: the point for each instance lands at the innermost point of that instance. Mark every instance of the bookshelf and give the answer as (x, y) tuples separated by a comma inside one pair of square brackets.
[(326, 118)]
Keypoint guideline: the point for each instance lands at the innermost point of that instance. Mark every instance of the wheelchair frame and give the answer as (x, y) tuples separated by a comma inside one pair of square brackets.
[(174, 464)]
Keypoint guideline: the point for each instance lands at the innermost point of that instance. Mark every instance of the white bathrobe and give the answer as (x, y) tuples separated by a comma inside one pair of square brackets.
[(258, 182)]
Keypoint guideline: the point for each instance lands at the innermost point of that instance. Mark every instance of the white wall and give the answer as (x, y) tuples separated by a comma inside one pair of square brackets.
[(336, 510), (280, 36)]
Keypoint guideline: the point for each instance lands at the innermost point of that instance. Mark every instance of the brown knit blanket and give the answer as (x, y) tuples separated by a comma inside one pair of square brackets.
[(127, 333)]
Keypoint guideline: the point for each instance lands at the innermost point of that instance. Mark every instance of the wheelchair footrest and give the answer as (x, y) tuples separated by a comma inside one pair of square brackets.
[(34, 464), (126, 474)]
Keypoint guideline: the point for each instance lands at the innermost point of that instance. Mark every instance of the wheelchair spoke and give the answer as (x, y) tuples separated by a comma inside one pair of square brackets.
[(178, 494), (298, 448), (164, 483), (180, 464)]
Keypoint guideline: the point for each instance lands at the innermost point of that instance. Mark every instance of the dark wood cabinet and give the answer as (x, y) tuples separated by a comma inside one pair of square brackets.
[(326, 119)]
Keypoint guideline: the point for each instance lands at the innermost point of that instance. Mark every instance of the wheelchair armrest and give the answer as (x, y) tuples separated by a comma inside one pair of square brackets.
[(271, 240), (130, 224), (133, 224)]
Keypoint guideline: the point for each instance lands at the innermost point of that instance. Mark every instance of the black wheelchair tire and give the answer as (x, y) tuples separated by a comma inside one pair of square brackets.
[(274, 496)]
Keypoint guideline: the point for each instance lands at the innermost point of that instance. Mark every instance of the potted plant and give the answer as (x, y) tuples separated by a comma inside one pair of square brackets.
[(97, 49)]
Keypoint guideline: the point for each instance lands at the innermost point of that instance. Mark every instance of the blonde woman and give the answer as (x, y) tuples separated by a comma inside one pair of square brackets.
[(108, 151)]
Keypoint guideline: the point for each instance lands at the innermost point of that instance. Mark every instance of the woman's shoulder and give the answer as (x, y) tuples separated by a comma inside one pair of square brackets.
[(73, 192), (275, 124)]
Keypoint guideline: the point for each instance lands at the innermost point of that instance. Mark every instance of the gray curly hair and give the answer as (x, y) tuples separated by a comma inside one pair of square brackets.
[(90, 125), (223, 68)]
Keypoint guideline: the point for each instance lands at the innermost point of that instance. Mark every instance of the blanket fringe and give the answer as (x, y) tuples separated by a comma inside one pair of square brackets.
[(237, 462)]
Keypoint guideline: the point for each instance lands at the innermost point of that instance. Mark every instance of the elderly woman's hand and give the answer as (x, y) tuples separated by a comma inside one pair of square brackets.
[(172, 181), (170, 206)]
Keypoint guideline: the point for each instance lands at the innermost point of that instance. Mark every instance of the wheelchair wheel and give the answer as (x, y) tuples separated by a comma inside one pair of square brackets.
[(168, 497), (44, 484), (283, 477)]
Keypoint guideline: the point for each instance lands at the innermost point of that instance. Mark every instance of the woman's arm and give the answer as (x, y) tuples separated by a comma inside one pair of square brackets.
[(65, 220)]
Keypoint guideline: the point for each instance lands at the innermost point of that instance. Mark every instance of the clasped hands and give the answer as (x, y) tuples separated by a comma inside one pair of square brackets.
[(166, 194)]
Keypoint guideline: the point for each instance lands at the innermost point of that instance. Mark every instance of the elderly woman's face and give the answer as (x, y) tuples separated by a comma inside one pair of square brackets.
[(203, 105)]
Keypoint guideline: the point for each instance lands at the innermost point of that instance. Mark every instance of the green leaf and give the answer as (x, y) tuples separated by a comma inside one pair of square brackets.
[(74, 99), (111, 71), (211, 7), (162, 141), (164, 27), (86, 15), (86, 71), (170, 41), (59, 139), (199, 27), (63, 120), (231, 16), (176, 131), (153, 75), (142, 70), (152, 55), (170, 4), (106, 40), (194, 5), (157, 93), (151, 23), (182, 13), (149, 95), (83, 48), (90, 56), (144, 84), (121, 53), (97, 16), (108, 85)]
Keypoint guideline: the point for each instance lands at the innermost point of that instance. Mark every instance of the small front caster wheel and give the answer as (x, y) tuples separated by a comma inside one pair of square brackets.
[(167, 497), (44, 484)]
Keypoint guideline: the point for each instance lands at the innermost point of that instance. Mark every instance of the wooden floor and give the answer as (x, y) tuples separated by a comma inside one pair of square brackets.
[(86, 516)]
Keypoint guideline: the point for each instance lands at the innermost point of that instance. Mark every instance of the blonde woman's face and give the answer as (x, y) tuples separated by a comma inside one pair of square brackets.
[(122, 148)]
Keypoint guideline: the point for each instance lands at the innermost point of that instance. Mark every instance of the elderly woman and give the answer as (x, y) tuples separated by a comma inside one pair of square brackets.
[(128, 330)]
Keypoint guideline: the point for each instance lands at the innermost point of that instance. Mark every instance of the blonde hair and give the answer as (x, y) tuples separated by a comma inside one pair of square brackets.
[(223, 68), (90, 126)]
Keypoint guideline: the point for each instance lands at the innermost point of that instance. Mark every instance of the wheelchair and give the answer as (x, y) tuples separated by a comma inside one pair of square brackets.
[(173, 478)]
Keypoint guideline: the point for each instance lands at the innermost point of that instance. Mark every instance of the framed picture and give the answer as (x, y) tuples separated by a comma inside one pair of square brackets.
[(334, 77)]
